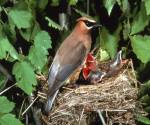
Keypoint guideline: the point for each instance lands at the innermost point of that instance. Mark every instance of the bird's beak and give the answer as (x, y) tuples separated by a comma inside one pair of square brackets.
[(96, 25)]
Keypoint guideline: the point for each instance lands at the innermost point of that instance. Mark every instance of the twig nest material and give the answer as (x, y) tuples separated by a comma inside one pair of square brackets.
[(110, 102)]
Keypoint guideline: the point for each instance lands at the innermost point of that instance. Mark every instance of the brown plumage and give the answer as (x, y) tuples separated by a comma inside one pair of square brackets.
[(69, 57)]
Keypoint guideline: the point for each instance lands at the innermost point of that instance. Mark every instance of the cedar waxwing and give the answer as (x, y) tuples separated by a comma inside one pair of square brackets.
[(69, 57)]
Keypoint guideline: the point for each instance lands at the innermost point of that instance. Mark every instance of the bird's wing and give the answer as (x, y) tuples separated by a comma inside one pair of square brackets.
[(62, 69)]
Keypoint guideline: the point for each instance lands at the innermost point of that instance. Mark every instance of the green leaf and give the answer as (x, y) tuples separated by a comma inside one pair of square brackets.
[(143, 119), (21, 18), (141, 47), (38, 53), (25, 76), (5, 105), (147, 6), (140, 21), (38, 56), (53, 24), (43, 39), (5, 47), (102, 55), (73, 2), (109, 4), (110, 41), (9, 119)]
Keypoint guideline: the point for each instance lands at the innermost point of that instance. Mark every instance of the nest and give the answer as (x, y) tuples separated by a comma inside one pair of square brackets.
[(110, 102)]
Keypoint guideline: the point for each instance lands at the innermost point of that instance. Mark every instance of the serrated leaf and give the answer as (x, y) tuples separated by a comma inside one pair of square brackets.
[(5, 47), (53, 24), (5, 105), (21, 18), (25, 76), (143, 119), (81, 13), (147, 6), (109, 4), (43, 39), (110, 41), (37, 56), (141, 47), (140, 21), (9, 119)]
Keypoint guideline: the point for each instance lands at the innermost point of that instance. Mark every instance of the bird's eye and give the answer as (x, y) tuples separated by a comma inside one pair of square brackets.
[(88, 24)]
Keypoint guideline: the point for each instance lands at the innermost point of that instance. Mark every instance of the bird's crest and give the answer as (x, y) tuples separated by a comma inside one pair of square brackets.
[(86, 19)]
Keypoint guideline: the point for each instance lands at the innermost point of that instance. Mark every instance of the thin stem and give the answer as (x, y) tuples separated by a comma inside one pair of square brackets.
[(5, 90), (101, 117), (88, 10), (30, 105)]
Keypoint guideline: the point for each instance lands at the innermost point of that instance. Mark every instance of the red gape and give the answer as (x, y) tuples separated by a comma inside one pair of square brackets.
[(90, 65)]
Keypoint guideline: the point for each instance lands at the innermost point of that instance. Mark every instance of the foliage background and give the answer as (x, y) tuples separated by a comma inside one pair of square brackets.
[(32, 30)]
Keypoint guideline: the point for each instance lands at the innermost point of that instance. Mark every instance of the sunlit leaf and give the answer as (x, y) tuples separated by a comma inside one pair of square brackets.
[(9, 119), (21, 18), (5, 105), (73, 2), (38, 56), (109, 4), (141, 47), (43, 39), (25, 76), (102, 55)]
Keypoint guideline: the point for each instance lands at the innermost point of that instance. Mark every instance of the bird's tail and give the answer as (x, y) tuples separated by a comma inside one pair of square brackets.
[(50, 101)]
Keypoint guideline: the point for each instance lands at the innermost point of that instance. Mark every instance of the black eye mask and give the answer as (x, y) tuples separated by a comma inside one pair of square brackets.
[(89, 24)]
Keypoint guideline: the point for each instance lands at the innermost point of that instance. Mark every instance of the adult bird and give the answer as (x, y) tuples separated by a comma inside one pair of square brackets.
[(69, 57)]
